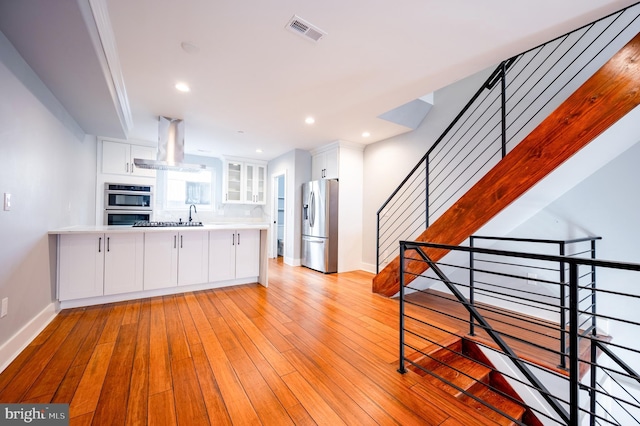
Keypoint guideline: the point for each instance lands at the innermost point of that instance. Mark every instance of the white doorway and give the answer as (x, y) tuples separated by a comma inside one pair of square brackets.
[(278, 228)]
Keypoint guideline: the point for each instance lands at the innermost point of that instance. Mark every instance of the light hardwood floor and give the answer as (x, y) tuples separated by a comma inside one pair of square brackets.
[(310, 349)]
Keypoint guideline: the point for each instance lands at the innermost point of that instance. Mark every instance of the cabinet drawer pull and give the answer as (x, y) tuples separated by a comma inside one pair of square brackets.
[(238, 238), (180, 241), (174, 241), (100, 245), (108, 238)]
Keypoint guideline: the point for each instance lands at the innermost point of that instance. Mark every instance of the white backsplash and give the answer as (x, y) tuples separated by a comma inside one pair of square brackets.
[(224, 213)]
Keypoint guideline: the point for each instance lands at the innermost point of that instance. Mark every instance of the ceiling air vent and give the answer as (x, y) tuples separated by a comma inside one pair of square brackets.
[(305, 29)]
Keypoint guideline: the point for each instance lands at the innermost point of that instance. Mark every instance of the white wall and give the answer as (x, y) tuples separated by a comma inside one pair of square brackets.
[(386, 163), (49, 167), (350, 172)]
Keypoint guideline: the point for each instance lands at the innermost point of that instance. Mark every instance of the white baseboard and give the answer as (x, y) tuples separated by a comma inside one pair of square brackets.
[(368, 267), (292, 261), (16, 344)]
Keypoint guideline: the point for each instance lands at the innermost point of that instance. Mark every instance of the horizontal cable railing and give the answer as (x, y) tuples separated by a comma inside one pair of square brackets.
[(514, 99), (491, 298), (584, 247)]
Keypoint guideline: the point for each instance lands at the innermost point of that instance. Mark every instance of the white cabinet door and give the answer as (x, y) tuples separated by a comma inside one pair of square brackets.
[(247, 253), (324, 165), (123, 262), (233, 182), (244, 182), (80, 266), (234, 254), (146, 153), (117, 158), (331, 164), (160, 259), (256, 175), (193, 258), (249, 183), (222, 256)]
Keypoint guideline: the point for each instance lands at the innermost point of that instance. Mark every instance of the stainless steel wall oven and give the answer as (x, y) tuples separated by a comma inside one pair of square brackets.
[(125, 204)]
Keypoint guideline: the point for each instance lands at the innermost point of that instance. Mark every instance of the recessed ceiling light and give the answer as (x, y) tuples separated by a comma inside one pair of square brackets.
[(309, 120), (366, 134), (183, 87), (259, 151)]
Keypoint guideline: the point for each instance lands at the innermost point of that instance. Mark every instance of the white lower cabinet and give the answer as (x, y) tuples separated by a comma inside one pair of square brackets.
[(123, 263), (193, 258), (160, 260), (173, 258), (80, 266), (99, 264), (234, 254), (113, 263)]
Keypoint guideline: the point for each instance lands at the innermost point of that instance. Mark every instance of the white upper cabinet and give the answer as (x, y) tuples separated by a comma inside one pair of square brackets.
[(233, 182), (117, 158), (244, 181), (324, 164), (255, 183)]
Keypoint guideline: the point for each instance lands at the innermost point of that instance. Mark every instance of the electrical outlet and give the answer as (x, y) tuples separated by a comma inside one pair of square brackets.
[(7, 201), (531, 278), (5, 307)]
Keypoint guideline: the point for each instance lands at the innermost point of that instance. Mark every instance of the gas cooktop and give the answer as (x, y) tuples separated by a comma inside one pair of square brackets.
[(147, 224)]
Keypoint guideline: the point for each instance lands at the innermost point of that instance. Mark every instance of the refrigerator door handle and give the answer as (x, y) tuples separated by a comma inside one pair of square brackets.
[(312, 202)]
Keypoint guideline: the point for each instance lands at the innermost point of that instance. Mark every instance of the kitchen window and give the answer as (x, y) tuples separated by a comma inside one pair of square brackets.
[(181, 189)]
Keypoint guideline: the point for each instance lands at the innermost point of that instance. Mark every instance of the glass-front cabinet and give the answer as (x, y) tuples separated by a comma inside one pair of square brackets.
[(233, 182), (255, 184), (245, 182)]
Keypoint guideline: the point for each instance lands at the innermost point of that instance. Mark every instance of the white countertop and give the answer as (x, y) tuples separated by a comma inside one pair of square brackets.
[(124, 229)]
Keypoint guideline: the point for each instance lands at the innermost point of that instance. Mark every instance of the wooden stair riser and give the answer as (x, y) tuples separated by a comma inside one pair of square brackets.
[(464, 365)]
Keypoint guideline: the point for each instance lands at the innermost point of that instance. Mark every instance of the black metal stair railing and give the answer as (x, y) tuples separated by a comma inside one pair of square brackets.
[(572, 247), (516, 97), (516, 320)]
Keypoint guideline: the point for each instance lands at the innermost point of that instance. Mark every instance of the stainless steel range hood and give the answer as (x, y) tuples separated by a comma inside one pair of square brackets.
[(170, 149)]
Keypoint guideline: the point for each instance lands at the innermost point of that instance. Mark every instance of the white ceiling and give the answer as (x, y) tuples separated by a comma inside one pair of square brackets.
[(253, 82)]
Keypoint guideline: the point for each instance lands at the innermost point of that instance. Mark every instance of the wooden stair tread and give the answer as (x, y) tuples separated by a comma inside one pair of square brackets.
[(432, 348), (470, 374), (461, 372), (506, 405)]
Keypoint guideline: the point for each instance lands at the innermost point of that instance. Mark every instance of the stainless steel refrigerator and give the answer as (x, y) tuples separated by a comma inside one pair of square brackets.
[(320, 225)]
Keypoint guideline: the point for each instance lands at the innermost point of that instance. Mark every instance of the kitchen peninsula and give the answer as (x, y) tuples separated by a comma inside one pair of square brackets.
[(103, 264)]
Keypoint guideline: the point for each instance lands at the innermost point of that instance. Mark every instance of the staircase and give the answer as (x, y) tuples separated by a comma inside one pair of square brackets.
[(461, 369), (607, 96)]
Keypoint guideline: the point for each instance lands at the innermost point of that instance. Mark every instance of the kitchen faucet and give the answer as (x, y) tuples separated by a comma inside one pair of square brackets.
[(194, 210)]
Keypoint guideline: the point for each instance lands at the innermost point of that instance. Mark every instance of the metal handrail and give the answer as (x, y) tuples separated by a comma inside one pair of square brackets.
[(562, 250), (564, 415), (499, 129), (567, 408)]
